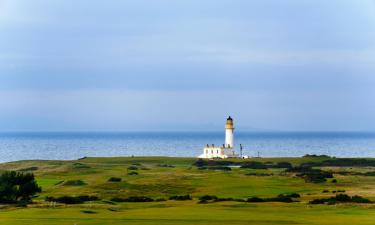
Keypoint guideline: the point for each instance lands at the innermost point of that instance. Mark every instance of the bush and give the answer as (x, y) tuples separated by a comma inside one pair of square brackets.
[(208, 198), (255, 199), (17, 187), (341, 198), (180, 197), (133, 199), (114, 179), (132, 168), (311, 175), (74, 183), (280, 198), (133, 173), (359, 199), (254, 165), (283, 165), (88, 212)]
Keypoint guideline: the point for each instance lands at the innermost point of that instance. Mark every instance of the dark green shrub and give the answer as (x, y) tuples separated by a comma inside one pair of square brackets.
[(359, 199), (133, 173), (133, 199), (86, 198), (74, 183), (283, 165), (208, 198), (114, 179), (255, 199), (88, 212), (254, 165), (132, 168), (280, 199), (311, 175), (341, 198)]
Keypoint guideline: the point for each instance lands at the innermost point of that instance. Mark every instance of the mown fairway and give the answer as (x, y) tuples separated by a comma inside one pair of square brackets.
[(162, 177)]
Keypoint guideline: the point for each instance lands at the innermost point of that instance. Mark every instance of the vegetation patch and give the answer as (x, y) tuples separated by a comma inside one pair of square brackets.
[(132, 168), (341, 198), (219, 168), (114, 179), (88, 212), (255, 165), (342, 162), (74, 183), (132, 199), (311, 175), (280, 198), (132, 173)]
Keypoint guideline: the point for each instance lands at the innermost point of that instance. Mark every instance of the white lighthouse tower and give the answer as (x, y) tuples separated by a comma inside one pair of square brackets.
[(225, 151), (229, 130)]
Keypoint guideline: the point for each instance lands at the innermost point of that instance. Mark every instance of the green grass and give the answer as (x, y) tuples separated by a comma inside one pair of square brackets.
[(162, 182)]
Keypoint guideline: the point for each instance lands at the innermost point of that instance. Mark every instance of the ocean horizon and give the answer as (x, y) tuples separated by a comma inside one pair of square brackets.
[(16, 146)]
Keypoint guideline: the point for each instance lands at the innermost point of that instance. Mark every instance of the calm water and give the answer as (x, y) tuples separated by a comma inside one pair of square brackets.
[(19, 146)]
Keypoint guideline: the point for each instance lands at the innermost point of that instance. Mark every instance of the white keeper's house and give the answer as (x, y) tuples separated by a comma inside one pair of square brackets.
[(224, 151)]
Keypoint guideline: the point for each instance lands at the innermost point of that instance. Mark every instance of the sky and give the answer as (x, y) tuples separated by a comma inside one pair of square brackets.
[(141, 65)]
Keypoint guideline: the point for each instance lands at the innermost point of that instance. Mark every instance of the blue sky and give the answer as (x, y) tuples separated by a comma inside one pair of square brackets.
[(185, 65)]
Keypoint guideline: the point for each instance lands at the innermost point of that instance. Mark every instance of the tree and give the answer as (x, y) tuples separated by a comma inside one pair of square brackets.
[(17, 186)]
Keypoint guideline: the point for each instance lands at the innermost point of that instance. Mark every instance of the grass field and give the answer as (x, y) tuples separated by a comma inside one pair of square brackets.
[(180, 177)]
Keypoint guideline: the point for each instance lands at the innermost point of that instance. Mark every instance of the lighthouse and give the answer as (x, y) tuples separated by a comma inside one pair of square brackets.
[(224, 151), (229, 130)]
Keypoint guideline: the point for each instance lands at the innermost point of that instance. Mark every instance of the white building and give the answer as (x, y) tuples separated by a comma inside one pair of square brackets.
[(225, 151)]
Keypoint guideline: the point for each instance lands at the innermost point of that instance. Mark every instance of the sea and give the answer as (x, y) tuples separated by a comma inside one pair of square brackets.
[(16, 146)]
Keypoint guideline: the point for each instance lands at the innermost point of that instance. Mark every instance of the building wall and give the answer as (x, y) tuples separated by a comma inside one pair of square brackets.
[(212, 152), (229, 137)]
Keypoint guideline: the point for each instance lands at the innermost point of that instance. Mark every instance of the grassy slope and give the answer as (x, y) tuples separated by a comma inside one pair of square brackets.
[(155, 181)]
